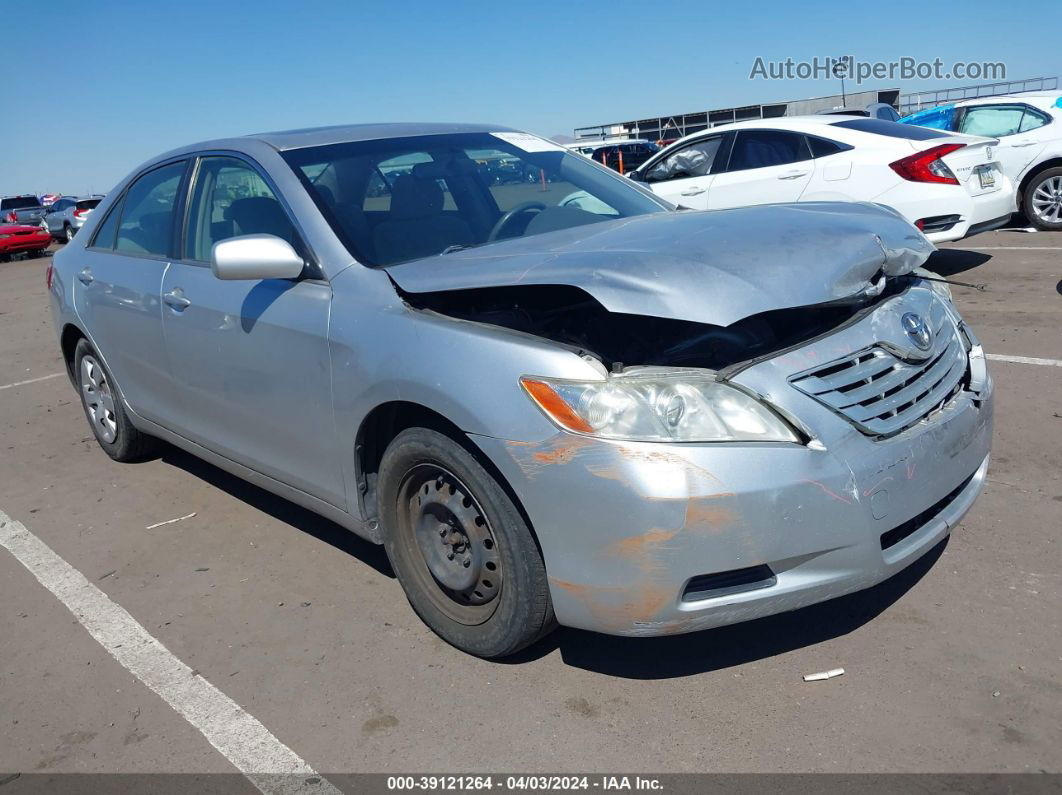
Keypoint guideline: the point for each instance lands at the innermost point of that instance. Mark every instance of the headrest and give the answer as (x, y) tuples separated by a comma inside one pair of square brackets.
[(415, 198)]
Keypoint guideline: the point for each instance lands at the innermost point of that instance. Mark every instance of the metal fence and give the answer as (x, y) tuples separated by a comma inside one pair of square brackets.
[(909, 103)]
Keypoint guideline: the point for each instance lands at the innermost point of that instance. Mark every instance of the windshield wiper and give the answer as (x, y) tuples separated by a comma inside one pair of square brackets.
[(458, 247)]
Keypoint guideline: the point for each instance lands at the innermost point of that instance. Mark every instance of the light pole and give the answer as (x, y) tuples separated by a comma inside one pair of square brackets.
[(840, 69)]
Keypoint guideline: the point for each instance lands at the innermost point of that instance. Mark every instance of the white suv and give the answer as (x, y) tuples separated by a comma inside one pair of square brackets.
[(1029, 129)]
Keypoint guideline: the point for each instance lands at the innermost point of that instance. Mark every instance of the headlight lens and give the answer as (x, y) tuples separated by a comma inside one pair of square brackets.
[(671, 408)]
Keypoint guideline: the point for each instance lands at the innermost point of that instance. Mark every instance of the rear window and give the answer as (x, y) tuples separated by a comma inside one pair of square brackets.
[(88, 204), (19, 202), (891, 129)]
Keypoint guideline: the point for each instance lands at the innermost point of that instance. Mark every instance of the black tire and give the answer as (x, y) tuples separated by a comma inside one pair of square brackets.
[(429, 482), (115, 433), (68, 232), (1038, 180)]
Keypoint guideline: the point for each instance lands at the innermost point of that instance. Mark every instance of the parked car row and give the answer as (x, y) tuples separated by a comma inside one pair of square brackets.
[(1028, 127), (980, 161), (559, 401)]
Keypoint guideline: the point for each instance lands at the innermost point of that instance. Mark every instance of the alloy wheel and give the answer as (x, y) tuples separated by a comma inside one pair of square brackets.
[(1047, 200), (99, 399)]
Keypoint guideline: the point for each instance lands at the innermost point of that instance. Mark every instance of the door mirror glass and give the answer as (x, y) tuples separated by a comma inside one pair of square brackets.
[(255, 257)]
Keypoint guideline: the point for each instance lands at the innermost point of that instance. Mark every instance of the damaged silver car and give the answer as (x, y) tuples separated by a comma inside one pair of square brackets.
[(552, 400)]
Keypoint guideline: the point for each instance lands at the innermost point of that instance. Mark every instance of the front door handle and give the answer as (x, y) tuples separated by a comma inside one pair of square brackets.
[(1019, 144), (792, 175), (693, 191), (175, 299), (85, 276)]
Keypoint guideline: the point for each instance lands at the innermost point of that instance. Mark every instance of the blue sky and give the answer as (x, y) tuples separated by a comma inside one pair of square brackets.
[(118, 82)]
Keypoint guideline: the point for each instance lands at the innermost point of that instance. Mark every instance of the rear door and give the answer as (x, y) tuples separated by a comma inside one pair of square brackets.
[(54, 215), (1018, 127), (765, 167), (685, 174), (250, 357), (116, 288)]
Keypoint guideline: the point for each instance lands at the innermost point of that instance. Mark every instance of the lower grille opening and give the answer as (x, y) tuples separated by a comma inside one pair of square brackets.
[(707, 586), (893, 537)]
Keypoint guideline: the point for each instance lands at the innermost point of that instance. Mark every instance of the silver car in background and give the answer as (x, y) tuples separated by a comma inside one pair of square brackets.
[(556, 401), (67, 215)]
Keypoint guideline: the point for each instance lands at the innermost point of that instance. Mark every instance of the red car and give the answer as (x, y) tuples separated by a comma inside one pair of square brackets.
[(15, 238)]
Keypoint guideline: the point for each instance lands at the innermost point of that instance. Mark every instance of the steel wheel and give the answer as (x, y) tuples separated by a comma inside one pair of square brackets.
[(99, 400), (446, 530), (1047, 200)]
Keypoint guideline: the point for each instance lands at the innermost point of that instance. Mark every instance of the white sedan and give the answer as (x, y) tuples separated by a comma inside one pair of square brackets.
[(1029, 129), (948, 185)]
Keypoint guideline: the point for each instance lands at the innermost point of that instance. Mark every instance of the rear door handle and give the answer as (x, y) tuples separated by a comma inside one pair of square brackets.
[(176, 300), (693, 191), (792, 174), (85, 276)]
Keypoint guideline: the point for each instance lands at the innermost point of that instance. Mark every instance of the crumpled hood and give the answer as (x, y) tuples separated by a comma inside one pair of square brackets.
[(716, 266)]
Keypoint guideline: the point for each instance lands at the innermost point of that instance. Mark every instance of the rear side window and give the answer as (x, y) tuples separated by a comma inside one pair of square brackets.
[(147, 215), (823, 147), (88, 204), (891, 129), (763, 148), (104, 237), (992, 120)]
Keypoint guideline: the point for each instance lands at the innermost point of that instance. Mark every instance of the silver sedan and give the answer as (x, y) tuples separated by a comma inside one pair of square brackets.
[(552, 400)]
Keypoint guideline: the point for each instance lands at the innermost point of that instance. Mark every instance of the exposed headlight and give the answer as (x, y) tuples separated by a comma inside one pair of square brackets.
[(669, 408)]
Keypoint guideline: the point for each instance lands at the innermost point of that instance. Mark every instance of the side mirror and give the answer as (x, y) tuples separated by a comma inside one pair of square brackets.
[(255, 257), (635, 175)]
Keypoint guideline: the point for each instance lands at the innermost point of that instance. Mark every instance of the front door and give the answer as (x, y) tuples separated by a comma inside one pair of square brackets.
[(250, 358), (685, 175)]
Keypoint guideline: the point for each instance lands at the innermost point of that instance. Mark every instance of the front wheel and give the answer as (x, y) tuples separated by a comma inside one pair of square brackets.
[(460, 548), (1043, 200), (104, 410)]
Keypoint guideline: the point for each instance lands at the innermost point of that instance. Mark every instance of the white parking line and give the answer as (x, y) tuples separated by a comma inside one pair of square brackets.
[(999, 357), (269, 764), (30, 381)]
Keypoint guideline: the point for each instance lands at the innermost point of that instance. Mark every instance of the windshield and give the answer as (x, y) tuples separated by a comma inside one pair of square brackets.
[(19, 203), (399, 199)]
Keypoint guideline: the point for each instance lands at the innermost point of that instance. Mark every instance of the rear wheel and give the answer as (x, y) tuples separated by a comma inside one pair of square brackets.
[(1043, 200), (460, 548), (68, 232), (104, 410)]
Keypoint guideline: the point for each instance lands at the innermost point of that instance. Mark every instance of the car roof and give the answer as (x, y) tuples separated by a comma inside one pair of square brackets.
[(284, 140), (1040, 99), (806, 124)]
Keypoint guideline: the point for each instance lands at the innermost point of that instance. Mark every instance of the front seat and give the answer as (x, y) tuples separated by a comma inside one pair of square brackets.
[(416, 225), (259, 215)]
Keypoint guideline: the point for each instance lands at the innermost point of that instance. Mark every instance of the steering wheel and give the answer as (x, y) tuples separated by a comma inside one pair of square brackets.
[(502, 222)]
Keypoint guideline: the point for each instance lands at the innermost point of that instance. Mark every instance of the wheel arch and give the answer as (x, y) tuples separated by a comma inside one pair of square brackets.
[(1052, 162), (383, 423), (68, 340)]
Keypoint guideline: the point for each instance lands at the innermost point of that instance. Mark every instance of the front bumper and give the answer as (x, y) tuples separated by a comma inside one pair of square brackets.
[(626, 527)]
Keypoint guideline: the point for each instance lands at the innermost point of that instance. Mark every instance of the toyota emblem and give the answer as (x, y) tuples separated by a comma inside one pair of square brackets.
[(917, 331)]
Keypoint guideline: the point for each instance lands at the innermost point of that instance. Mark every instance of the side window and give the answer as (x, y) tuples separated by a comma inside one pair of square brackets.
[(823, 147), (695, 160), (1032, 120), (146, 226), (231, 199), (104, 237), (763, 148), (992, 120)]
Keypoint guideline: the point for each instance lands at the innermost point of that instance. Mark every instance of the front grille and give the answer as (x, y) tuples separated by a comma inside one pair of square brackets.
[(883, 394), (912, 526)]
